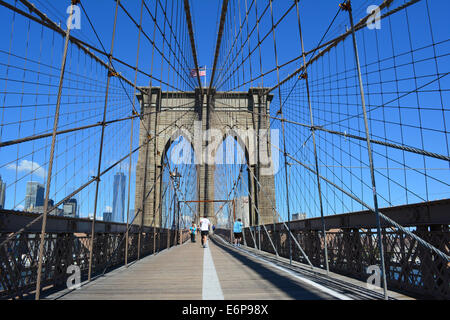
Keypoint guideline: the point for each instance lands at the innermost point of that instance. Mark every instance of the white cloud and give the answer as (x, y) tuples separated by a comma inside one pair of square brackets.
[(108, 209), (30, 167)]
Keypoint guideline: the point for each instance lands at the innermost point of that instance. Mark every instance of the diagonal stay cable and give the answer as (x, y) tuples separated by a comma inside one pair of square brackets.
[(131, 223), (219, 42), (274, 210), (192, 40), (149, 139), (112, 65), (332, 43), (384, 217), (320, 42), (45, 21)]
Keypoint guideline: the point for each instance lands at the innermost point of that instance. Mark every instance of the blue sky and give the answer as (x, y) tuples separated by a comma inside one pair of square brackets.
[(333, 90)]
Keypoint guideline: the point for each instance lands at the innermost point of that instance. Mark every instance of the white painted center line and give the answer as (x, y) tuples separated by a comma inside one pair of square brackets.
[(211, 285)]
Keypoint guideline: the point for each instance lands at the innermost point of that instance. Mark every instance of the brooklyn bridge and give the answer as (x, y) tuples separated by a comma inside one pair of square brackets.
[(321, 127)]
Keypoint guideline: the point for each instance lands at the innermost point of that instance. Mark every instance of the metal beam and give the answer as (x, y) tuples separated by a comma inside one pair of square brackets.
[(47, 22), (411, 215), (205, 201), (187, 10), (11, 221), (219, 41), (334, 42)]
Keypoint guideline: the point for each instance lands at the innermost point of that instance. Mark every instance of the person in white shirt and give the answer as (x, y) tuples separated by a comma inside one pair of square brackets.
[(204, 228)]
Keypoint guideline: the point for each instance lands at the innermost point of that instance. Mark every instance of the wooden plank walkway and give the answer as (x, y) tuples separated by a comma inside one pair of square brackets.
[(243, 277), (178, 274)]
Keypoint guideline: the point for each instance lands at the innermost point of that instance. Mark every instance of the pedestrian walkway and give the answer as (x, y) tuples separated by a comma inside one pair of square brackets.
[(190, 272)]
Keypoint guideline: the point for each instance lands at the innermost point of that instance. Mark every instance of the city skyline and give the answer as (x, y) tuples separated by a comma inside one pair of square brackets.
[(70, 208), (118, 208), (34, 196)]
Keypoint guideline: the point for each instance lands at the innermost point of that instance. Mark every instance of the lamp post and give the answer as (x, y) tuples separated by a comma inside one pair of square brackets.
[(175, 175)]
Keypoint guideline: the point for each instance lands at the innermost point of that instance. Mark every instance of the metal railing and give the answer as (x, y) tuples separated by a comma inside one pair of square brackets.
[(352, 244), (67, 244)]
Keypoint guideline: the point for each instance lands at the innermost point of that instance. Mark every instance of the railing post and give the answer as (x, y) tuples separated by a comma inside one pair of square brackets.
[(313, 134), (52, 153), (110, 74), (347, 6)]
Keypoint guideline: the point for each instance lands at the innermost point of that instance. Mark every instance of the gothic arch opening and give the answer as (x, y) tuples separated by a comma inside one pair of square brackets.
[(231, 182), (179, 183)]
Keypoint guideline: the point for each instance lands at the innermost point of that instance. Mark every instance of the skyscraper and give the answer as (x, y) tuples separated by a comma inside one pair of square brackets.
[(34, 195), (107, 216), (118, 209), (2, 193)]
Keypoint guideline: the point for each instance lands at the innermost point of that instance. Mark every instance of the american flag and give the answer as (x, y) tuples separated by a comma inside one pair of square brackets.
[(202, 73)]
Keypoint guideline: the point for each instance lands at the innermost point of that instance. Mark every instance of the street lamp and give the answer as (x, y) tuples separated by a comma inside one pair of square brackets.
[(175, 175)]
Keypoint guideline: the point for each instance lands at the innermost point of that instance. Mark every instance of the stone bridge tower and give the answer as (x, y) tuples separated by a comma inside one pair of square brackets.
[(167, 115)]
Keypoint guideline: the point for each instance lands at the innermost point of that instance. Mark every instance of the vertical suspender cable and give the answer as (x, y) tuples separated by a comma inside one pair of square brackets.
[(52, 153), (110, 74), (347, 6), (313, 133)]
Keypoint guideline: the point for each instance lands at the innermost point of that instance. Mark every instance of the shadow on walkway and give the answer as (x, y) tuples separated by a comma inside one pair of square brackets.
[(287, 285)]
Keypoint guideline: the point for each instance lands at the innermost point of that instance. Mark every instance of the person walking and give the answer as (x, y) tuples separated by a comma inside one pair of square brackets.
[(204, 228), (192, 231), (237, 230)]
